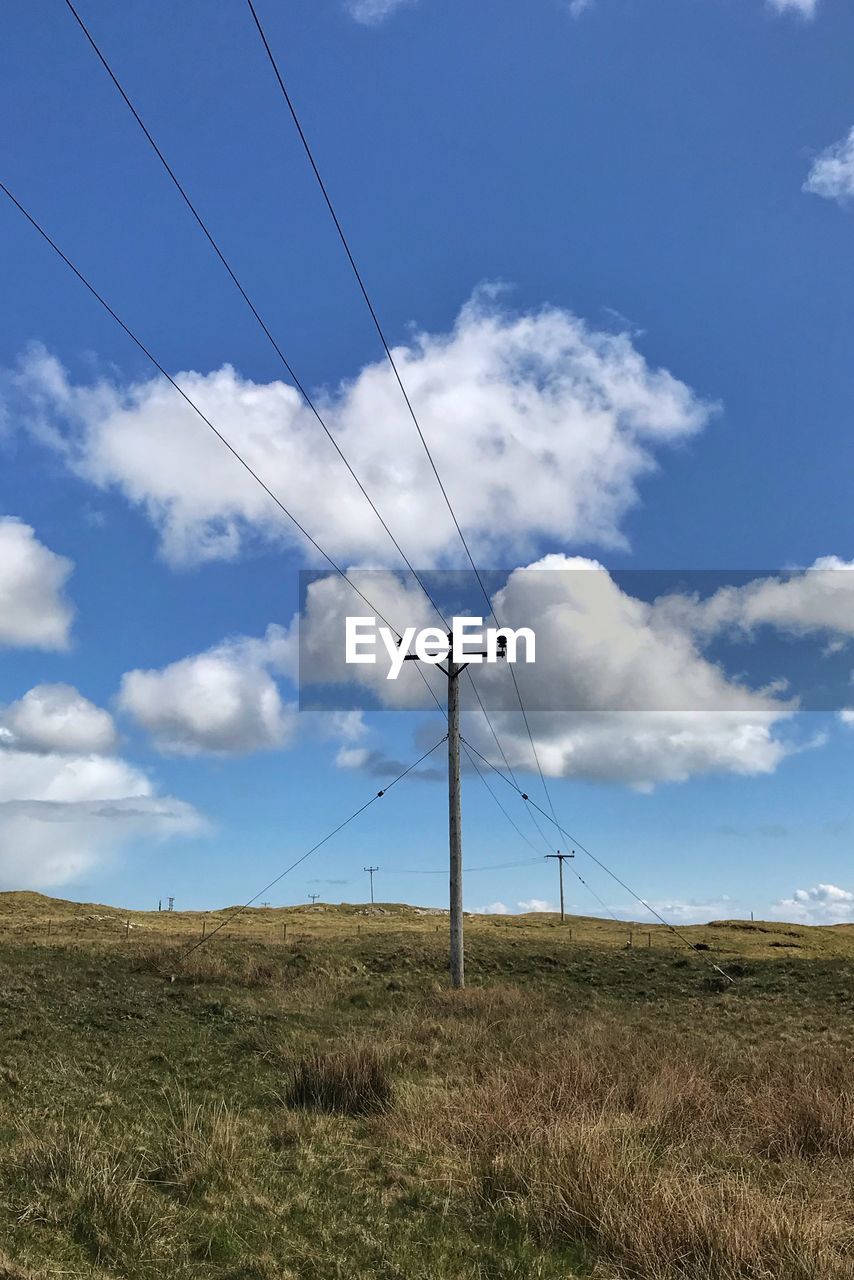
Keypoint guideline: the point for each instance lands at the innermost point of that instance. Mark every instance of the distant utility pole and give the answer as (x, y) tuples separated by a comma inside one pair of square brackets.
[(370, 871), (314, 897), (560, 860), (455, 821), (170, 904)]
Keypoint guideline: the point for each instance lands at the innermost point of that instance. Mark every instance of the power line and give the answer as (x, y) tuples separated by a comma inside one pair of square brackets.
[(507, 815), (265, 328), (507, 764), (509, 818), (192, 404), (442, 871), (208, 234), (280, 353), (223, 440), (341, 825), (292, 374), (390, 357), (574, 840)]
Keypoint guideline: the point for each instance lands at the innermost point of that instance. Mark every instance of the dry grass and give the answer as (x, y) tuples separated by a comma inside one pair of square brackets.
[(198, 1145), (30, 915), (665, 1157), (352, 1081), (94, 1188), (578, 1111)]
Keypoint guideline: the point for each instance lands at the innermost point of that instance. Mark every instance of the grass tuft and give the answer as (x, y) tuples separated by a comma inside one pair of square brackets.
[(352, 1081)]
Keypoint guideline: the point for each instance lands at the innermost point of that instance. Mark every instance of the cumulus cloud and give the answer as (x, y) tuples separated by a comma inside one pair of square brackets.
[(647, 706), (536, 904), (558, 421), (55, 717), (822, 904), (846, 715), (818, 599), (372, 12), (33, 611), (63, 806), (221, 702), (494, 909), (832, 173), (617, 693)]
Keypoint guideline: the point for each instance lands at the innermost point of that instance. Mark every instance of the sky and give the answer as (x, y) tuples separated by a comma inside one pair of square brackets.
[(610, 244)]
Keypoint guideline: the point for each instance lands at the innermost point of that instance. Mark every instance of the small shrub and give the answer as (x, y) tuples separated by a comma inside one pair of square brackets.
[(352, 1081)]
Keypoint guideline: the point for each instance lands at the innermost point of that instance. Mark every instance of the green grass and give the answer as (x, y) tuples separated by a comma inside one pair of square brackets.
[(325, 1107)]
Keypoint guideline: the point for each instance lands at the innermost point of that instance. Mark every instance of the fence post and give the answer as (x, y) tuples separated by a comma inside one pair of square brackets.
[(48, 928), (285, 932), (127, 928)]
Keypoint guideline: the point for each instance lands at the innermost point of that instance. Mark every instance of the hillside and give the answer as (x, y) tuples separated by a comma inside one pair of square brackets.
[(324, 1106), (31, 916)]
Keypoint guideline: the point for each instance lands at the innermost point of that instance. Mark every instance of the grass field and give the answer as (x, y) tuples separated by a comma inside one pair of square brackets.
[(320, 1105)]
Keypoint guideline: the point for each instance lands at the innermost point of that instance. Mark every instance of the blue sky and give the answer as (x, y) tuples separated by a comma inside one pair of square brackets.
[(656, 186)]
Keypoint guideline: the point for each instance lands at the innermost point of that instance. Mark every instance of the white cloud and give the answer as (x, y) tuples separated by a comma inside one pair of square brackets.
[(64, 810), (618, 693), (33, 611), (818, 599), (224, 701), (349, 726), (645, 705), (558, 422), (846, 715), (372, 12), (501, 908), (693, 911), (55, 717), (805, 8), (832, 173), (822, 904), (377, 764)]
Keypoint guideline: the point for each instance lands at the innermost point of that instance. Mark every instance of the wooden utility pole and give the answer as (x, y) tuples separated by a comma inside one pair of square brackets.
[(370, 871), (455, 822), (455, 826), (314, 897), (560, 860)]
